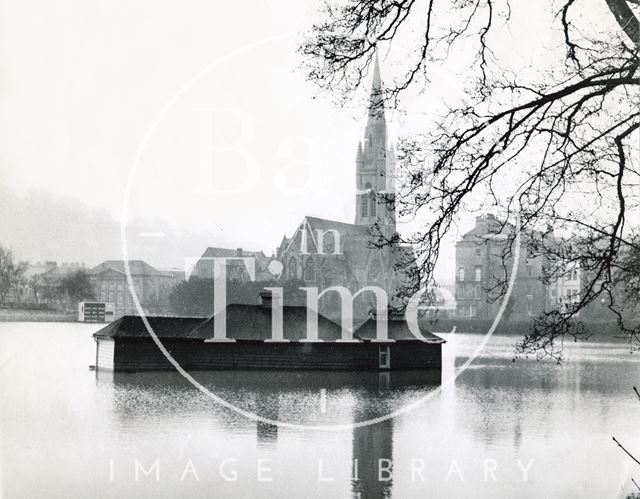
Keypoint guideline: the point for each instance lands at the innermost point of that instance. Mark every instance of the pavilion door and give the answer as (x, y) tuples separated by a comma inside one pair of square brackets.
[(384, 357)]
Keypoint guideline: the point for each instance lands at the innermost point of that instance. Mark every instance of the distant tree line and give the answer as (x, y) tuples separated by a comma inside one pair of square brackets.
[(56, 290), (11, 274)]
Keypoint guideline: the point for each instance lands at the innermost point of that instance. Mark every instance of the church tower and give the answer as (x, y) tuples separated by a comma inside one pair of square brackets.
[(375, 166)]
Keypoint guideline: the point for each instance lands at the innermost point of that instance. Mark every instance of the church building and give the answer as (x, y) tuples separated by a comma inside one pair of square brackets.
[(325, 253)]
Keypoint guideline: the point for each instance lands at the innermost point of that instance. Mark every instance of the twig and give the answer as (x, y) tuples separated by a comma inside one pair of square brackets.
[(635, 483), (628, 453), (636, 390)]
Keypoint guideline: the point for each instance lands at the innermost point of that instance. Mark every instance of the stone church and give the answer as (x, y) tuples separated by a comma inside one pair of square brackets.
[(325, 253)]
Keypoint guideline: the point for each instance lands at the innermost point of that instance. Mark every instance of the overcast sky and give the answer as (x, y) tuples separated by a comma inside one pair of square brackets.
[(83, 82)]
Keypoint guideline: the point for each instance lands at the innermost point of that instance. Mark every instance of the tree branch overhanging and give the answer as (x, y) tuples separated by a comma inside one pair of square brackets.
[(566, 139)]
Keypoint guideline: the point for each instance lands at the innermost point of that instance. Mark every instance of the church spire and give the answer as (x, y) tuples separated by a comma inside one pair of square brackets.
[(375, 164), (375, 134), (376, 104)]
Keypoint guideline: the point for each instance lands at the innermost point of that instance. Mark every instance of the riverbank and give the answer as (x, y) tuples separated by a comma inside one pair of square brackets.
[(511, 328), (22, 315)]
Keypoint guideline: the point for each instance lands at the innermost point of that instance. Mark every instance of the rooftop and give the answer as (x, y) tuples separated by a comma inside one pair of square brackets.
[(251, 323), (136, 267)]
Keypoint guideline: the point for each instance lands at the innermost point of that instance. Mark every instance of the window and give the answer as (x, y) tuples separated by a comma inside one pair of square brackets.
[(574, 275), (328, 243), (467, 311), (529, 270), (372, 204), (363, 206), (293, 271), (384, 357), (478, 274), (461, 274), (309, 270)]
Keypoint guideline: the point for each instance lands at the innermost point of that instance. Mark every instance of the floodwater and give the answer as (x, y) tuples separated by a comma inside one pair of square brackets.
[(500, 429)]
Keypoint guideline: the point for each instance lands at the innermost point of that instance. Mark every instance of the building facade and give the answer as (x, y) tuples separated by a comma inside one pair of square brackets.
[(481, 270), (152, 286), (564, 292), (235, 268)]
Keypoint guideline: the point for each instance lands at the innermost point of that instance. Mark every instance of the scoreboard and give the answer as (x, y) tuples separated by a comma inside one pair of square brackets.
[(89, 311)]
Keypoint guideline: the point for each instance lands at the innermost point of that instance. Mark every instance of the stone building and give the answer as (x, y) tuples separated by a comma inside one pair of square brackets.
[(564, 292), (236, 269), (325, 253), (152, 286), (480, 268)]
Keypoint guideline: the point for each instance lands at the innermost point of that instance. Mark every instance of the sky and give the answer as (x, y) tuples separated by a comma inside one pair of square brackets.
[(105, 102)]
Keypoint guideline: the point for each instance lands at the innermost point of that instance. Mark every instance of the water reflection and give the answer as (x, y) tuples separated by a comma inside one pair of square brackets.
[(62, 426), (372, 468), (290, 397), (283, 396)]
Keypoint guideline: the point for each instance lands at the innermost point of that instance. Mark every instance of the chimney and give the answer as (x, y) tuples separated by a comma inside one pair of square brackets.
[(266, 299), (238, 251)]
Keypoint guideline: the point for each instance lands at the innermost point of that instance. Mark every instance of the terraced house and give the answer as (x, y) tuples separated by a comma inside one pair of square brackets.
[(480, 268)]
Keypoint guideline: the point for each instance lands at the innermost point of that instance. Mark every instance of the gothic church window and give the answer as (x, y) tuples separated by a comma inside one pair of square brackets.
[(328, 243), (293, 272), (363, 206), (372, 203), (309, 270)]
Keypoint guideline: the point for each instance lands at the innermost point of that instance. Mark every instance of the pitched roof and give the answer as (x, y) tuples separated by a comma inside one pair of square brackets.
[(244, 322), (348, 232), (396, 329), (205, 265), (132, 326), (212, 252), (136, 267), (491, 227), (342, 227), (253, 322)]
